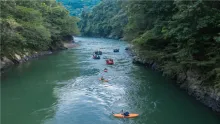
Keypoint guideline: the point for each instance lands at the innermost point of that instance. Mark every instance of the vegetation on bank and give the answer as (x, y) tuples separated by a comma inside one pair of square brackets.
[(177, 36), (28, 26)]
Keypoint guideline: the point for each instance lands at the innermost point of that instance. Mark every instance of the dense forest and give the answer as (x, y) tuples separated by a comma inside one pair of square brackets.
[(179, 38), (106, 20), (28, 26), (77, 6)]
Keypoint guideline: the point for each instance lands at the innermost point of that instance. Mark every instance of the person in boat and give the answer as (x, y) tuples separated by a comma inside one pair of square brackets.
[(96, 56), (124, 113), (102, 78), (105, 69), (109, 61)]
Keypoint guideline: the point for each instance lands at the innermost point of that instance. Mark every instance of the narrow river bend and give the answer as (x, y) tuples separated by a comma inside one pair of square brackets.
[(63, 88)]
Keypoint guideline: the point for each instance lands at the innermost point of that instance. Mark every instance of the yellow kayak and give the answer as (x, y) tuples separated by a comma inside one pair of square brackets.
[(131, 115)]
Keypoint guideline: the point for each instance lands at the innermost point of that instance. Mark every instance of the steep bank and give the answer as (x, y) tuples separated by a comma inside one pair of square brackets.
[(188, 79), (33, 28), (18, 58), (21, 58), (30, 29)]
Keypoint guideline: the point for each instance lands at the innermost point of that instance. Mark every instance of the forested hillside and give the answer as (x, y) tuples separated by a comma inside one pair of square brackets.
[(106, 20), (179, 38), (28, 26), (77, 6)]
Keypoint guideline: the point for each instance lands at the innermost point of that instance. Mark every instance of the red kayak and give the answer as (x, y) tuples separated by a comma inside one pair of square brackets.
[(109, 62)]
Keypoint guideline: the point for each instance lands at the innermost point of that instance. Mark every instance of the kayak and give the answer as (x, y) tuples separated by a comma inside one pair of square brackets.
[(105, 70), (131, 115), (109, 62), (103, 80), (116, 50)]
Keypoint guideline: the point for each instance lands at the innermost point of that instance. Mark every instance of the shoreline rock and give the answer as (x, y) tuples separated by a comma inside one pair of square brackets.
[(17, 59), (69, 45), (188, 81)]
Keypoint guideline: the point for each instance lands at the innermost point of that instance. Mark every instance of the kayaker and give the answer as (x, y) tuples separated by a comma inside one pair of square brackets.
[(94, 56), (102, 78), (105, 69), (125, 113)]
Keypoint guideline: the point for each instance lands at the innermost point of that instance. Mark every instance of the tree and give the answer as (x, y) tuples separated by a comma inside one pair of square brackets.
[(34, 26)]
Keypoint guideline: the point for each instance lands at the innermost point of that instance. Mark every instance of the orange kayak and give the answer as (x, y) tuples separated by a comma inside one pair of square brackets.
[(131, 115), (103, 80)]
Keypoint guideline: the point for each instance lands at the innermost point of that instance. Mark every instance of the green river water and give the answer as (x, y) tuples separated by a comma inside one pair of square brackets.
[(63, 88)]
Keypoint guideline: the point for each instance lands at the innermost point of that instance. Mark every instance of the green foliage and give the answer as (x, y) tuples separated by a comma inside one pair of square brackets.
[(185, 31), (106, 20), (178, 35), (34, 25), (77, 6)]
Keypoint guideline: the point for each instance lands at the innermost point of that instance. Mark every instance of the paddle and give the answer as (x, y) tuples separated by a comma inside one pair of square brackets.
[(121, 112)]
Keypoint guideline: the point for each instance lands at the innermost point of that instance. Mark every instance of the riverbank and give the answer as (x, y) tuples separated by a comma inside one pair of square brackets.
[(64, 84), (69, 45), (189, 80), (24, 57), (20, 58)]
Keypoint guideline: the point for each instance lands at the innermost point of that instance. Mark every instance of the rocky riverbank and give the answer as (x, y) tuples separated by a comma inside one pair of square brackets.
[(70, 45), (18, 58), (21, 58), (190, 80)]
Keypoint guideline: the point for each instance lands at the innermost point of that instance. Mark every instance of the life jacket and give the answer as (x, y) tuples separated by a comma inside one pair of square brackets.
[(126, 114)]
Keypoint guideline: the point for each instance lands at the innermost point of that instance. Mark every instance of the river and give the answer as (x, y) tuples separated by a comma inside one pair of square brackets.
[(63, 88)]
